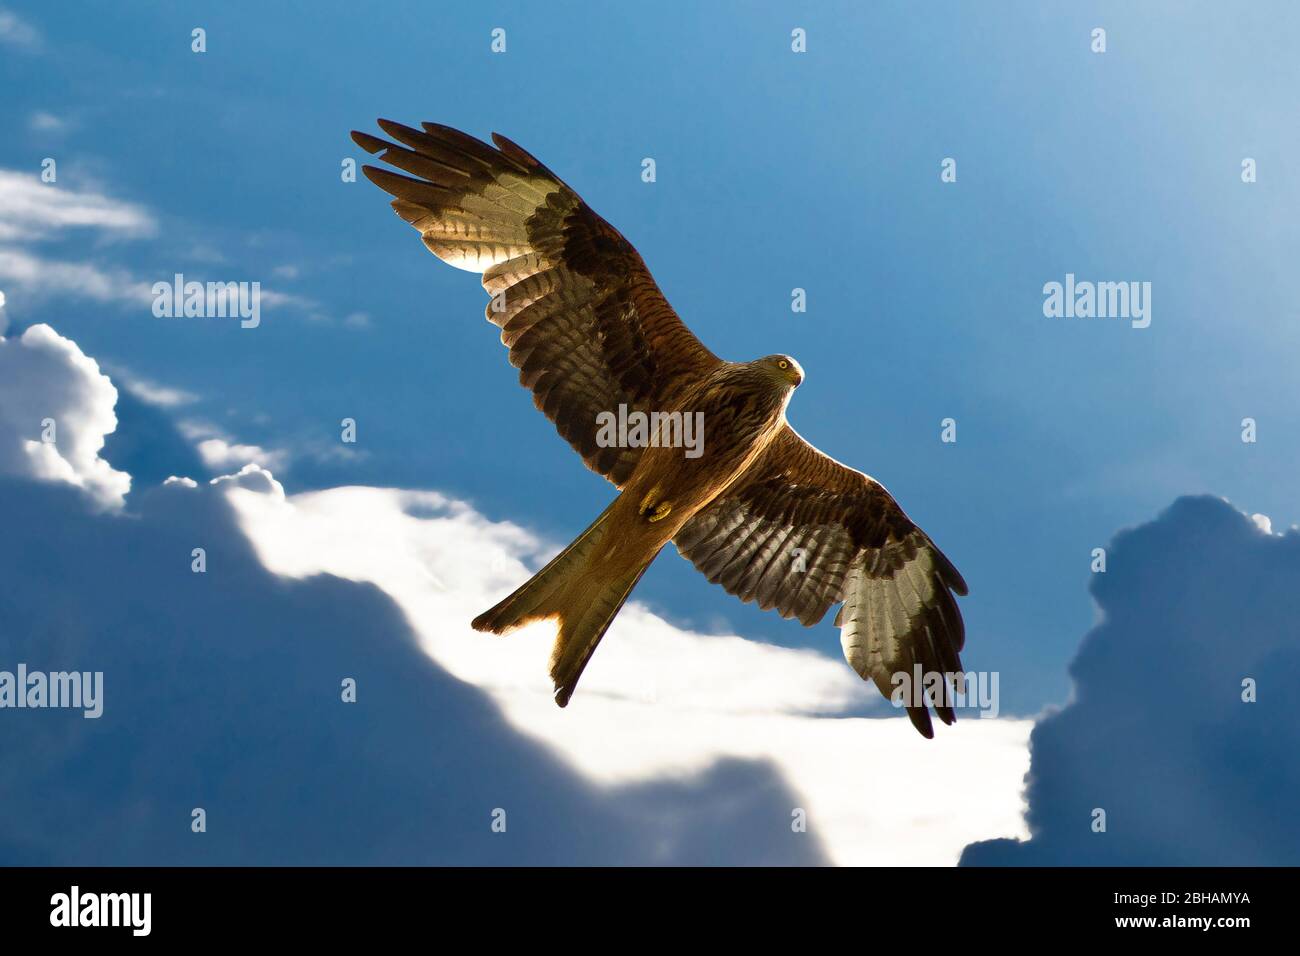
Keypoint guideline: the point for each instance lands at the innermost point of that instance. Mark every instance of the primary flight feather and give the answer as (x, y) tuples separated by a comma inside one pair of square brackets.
[(759, 511)]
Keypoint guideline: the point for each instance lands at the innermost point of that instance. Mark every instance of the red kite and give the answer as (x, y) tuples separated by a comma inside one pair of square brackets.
[(757, 510)]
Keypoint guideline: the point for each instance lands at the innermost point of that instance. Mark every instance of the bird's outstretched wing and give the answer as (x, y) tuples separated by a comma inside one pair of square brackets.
[(800, 532), (585, 323)]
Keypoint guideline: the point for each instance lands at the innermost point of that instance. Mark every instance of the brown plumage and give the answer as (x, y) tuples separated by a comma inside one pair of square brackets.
[(760, 511)]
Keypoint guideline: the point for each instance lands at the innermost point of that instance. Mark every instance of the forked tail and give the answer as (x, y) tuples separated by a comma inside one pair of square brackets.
[(583, 598)]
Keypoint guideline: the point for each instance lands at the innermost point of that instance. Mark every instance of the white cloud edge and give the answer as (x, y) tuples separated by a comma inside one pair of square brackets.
[(46, 377)]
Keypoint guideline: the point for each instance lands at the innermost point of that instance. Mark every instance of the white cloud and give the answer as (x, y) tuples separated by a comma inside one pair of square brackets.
[(253, 478), (16, 32), (44, 122), (222, 452), (658, 703), (45, 378), (31, 209), (162, 396), (219, 453), (273, 297), (39, 276), (656, 700)]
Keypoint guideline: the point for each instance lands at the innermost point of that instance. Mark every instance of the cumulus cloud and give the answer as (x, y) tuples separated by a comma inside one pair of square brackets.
[(1162, 735), (681, 747), (253, 478), (224, 690), (657, 701), (56, 407)]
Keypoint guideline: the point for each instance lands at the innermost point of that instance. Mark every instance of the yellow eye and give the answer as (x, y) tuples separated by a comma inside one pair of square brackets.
[(783, 364)]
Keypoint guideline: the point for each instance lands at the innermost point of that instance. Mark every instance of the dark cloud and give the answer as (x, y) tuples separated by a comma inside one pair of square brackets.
[(1157, 734), (222, 691), (146, 445)]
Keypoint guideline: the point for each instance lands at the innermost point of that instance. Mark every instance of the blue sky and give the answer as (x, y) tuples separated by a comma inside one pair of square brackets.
[(775, 170)]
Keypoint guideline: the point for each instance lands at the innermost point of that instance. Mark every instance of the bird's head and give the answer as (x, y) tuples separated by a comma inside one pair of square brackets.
[(783, 368)]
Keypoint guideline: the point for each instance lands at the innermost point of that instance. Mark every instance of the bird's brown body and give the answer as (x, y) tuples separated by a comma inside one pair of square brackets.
[(742, 407), (760, 511)]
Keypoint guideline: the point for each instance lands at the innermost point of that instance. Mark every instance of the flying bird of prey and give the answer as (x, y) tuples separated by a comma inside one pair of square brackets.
[(760, 511)]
